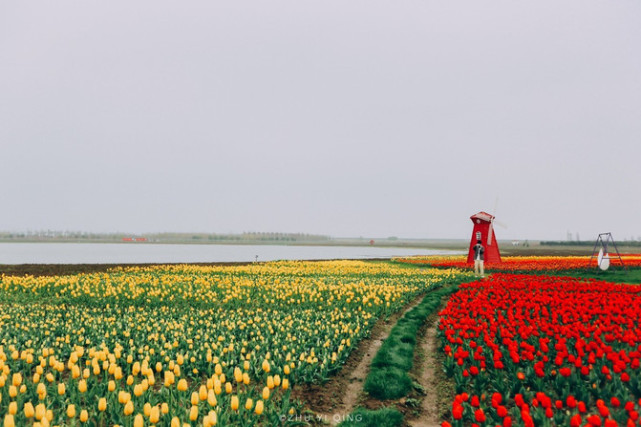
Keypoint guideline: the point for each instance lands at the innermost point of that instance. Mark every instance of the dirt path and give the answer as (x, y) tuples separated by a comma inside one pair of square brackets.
[(333, 401), (429, 415), (356, 380)]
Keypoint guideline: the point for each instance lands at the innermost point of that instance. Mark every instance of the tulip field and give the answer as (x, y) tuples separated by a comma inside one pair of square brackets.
[(190, 345), (526, 264), (543, 351), (187, 345)]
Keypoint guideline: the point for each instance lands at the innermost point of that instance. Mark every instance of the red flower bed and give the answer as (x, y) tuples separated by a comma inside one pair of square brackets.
[(525, 263), (539, 350)]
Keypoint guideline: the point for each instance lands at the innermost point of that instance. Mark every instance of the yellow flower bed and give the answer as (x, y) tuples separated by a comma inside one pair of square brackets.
[(178, 344)]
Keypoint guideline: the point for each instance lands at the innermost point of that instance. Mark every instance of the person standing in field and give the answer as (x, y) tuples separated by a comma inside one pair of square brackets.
[(479, 251)]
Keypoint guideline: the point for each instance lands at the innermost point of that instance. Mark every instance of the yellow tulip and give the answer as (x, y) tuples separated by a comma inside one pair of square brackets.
[(41, 412), (211, 398), (13, 408), (210, 420), (265, 393), (137, 390), (28, 409), (146, 409), (16, 379), (71, 411), (123, 397), (154, 415), (129, 408), (175, 422), (182, 385), (169, 378), (194, 399), (139, 421), (249, 403), (9, 421), (260, 406), (193, 413), (238, 375), (266, 366), (102, 404), (234, 403), (202, 392), (82, 386), (84, 416)]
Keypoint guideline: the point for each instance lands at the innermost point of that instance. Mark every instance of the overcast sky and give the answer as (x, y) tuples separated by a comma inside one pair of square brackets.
[(347, 118)]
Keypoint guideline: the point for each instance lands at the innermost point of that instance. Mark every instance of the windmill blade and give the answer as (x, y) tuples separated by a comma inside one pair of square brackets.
[(501, 224), (492, 216)]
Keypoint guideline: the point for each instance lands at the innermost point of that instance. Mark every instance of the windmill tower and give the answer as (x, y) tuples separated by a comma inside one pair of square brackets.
[(484, 231)]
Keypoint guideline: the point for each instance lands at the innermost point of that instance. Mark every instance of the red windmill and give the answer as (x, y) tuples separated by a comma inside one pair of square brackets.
[(484, 231)]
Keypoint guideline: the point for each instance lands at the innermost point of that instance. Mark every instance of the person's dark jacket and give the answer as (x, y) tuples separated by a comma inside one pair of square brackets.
[(478, 248)]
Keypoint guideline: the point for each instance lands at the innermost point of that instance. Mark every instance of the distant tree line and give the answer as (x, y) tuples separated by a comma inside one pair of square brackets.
[(51, 234), (586, 243), (164, 237), (242, 237)]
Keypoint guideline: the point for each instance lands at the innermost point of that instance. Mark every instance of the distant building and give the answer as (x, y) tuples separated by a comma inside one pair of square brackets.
[(134, 239)]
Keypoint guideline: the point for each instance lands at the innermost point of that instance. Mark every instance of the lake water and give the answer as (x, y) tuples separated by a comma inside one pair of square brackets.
[(137, 253)]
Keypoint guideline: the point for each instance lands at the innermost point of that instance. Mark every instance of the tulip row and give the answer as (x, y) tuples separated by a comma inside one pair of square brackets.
[(541, 350), (522, 263)]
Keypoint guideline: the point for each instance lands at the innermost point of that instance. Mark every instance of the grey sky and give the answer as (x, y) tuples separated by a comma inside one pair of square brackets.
[(337, 117)]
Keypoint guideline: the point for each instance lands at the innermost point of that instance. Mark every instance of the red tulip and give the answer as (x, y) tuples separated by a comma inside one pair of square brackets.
[(576, 420), (594, 420), (457, 412)]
